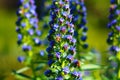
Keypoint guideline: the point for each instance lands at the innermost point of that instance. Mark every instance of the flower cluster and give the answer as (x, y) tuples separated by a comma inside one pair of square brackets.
[(78, 9), (61, 50), (27, 27), (114, 35)]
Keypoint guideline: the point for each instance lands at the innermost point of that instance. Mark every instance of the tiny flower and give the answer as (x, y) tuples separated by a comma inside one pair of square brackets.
[(75, 74), (85, 46), (72, 50), (66, 7), (18, 29), (61, 20), (48, 73), (83, 38), (31, 32), (118, 28), (20, 36), (73, 41), (85, 29), (26, 48), (66, 70), (58, 38), (76, 63), (38, 32), (65, 46), (112, 1), (55, 27), (58, 55), (42, 53), (63, 29), (37, 41), (27, 15), (26, 5), (21, 59), (59, 78), (50, 62), (64, 14), (70, 58), (23, 24), (52, 43), (49, 49), (69, 37), (113, 48)]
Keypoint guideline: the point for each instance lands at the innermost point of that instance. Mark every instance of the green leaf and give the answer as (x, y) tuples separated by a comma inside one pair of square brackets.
[(90, 67), (21, 76), (39, 67), (22, 70)]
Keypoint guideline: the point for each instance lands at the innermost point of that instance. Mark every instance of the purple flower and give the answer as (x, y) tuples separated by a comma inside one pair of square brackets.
[(27, 15), (42, 53), (65, 46), (59, 78), (66, 70), (75, 73), (118, 28), (38, 32), (37, 41), (23, 24), (48, 73), (70, 57), (50, 62), (26, 48), (20, 37), (63, 29), (58, 55), (76, 63), (31, 32), (21, 59), (26, 5)]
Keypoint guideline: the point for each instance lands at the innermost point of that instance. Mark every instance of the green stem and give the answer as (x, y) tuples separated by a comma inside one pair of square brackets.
[(118, 67)]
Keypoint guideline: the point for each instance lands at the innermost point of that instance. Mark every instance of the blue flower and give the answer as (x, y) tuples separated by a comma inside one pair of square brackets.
[(59, 78), (66, 70), (21, 59), (48, 73), (26, 48)]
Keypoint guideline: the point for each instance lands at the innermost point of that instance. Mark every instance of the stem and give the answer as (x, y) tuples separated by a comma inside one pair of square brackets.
[(118, 67), (33, 71)]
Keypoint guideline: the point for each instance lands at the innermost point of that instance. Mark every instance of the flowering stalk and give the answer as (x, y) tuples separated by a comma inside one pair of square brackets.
[(114, 36), (28, 33), (61, 50), (78, 9)]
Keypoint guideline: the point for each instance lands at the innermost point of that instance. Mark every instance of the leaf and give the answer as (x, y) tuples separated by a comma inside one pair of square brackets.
[(22, 70), (21, 75), (39, 67), (90, 67)]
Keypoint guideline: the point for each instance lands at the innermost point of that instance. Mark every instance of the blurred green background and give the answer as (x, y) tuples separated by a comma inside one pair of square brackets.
[(98, 11)]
